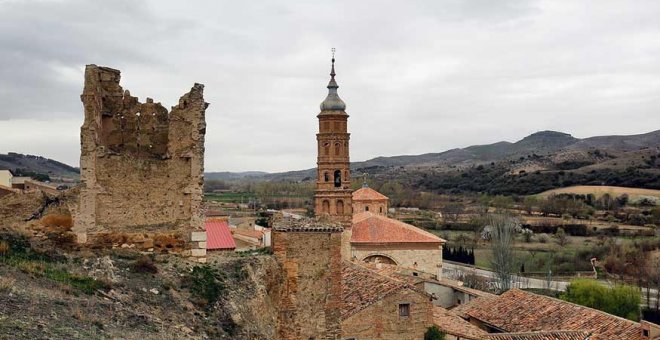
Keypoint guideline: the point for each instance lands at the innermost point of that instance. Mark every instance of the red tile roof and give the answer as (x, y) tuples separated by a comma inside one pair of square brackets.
[(372, 228), (368, 194), (361, 287), (452, 324), (218, 235), (552, 335), (520, 311)]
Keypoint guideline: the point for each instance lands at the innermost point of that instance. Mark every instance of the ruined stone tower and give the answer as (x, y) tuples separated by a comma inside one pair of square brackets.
[(141, 167), (333, 186), (310, 302)]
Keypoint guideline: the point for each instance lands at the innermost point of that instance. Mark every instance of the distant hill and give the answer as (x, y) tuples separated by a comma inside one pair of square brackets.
[(22, 164), (544, 150), (228, 176)]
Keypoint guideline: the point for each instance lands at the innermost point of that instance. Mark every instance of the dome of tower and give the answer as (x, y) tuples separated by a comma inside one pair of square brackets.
[(332, 101)]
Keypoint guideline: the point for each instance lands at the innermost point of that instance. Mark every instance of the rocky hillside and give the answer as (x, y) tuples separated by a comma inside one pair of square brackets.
[(37, 166), (122, 294)]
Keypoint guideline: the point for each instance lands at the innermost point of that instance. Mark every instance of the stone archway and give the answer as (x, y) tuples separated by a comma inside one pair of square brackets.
[(379, 258)]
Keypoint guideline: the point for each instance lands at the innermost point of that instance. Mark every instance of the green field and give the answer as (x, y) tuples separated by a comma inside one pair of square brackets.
[(230, 197)]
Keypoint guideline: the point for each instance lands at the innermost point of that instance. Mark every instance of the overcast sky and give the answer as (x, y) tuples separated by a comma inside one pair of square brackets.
[(417, 76)]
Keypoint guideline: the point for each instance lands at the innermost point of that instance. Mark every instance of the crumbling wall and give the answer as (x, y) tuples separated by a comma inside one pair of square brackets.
[(141, 166), (310, 297)]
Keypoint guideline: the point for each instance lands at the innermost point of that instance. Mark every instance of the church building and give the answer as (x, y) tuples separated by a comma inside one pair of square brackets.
[(369, 235)]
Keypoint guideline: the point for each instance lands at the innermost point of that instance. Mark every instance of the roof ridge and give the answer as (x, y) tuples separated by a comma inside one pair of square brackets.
[(400, 285), (541, 332), (410, 227), (573, 304)]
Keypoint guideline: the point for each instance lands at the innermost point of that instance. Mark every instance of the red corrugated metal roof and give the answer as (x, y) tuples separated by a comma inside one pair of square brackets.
[(218, 235)]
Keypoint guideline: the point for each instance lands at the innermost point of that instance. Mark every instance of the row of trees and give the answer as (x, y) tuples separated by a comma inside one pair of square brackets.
[(462, 255), (497, 180)]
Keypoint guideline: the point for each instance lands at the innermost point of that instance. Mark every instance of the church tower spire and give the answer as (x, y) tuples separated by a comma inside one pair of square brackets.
[(332, 197)]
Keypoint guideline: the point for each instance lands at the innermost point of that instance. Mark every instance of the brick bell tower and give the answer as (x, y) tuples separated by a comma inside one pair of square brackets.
[(332, 197)]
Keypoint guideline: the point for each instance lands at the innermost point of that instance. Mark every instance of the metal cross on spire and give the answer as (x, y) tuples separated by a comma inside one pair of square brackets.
[(333, 54)]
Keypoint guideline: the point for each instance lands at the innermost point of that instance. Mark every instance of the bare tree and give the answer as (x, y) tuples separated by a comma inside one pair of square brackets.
[(503, 230), (562, 238), (451, 212)]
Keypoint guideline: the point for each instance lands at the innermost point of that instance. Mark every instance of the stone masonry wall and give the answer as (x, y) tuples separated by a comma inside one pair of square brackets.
[(427, 256), (381, 320), (141, 166), (310, 302)]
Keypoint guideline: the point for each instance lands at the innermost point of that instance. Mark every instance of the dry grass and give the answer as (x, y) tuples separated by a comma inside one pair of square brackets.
[(6, 284), (144, 265), (64, 222), (31, 267), (4, 248)]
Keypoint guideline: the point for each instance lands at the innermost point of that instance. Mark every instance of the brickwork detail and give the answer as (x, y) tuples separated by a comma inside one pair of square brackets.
[(310, 299), (141, 166), (333, 193)]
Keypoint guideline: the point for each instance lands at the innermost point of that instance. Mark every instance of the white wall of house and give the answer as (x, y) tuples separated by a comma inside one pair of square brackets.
[(5, 178)]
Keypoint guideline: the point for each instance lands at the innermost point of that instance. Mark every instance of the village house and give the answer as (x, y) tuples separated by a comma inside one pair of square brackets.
[(518, 311), (380, 307), (218, 236), (6, 178), (446, 293), (18, 182)]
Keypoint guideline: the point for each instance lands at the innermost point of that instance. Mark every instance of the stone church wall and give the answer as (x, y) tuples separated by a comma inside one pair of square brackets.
[(141, 167), (426, 258), (310, 298)]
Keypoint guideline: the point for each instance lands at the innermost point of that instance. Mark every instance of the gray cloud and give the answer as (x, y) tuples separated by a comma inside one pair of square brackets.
[(418, 76)]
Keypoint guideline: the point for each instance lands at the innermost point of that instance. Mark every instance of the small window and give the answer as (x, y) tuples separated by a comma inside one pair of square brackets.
[(404, 309), (380, 209), (645, 332), (366, 208), (415, 274)]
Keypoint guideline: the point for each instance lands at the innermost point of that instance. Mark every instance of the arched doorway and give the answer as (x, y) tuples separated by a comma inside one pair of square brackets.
[(340, 207), (325, 207)]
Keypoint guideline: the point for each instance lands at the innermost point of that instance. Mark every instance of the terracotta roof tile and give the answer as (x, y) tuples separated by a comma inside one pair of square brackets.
[(361, 287), (551, 335), (452, 324), (520, 311), (372, 228), (248, 232), (218, 235), (368, 194)]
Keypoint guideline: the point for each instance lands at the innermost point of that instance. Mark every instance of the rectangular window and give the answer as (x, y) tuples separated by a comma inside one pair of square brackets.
[(404, 309)]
